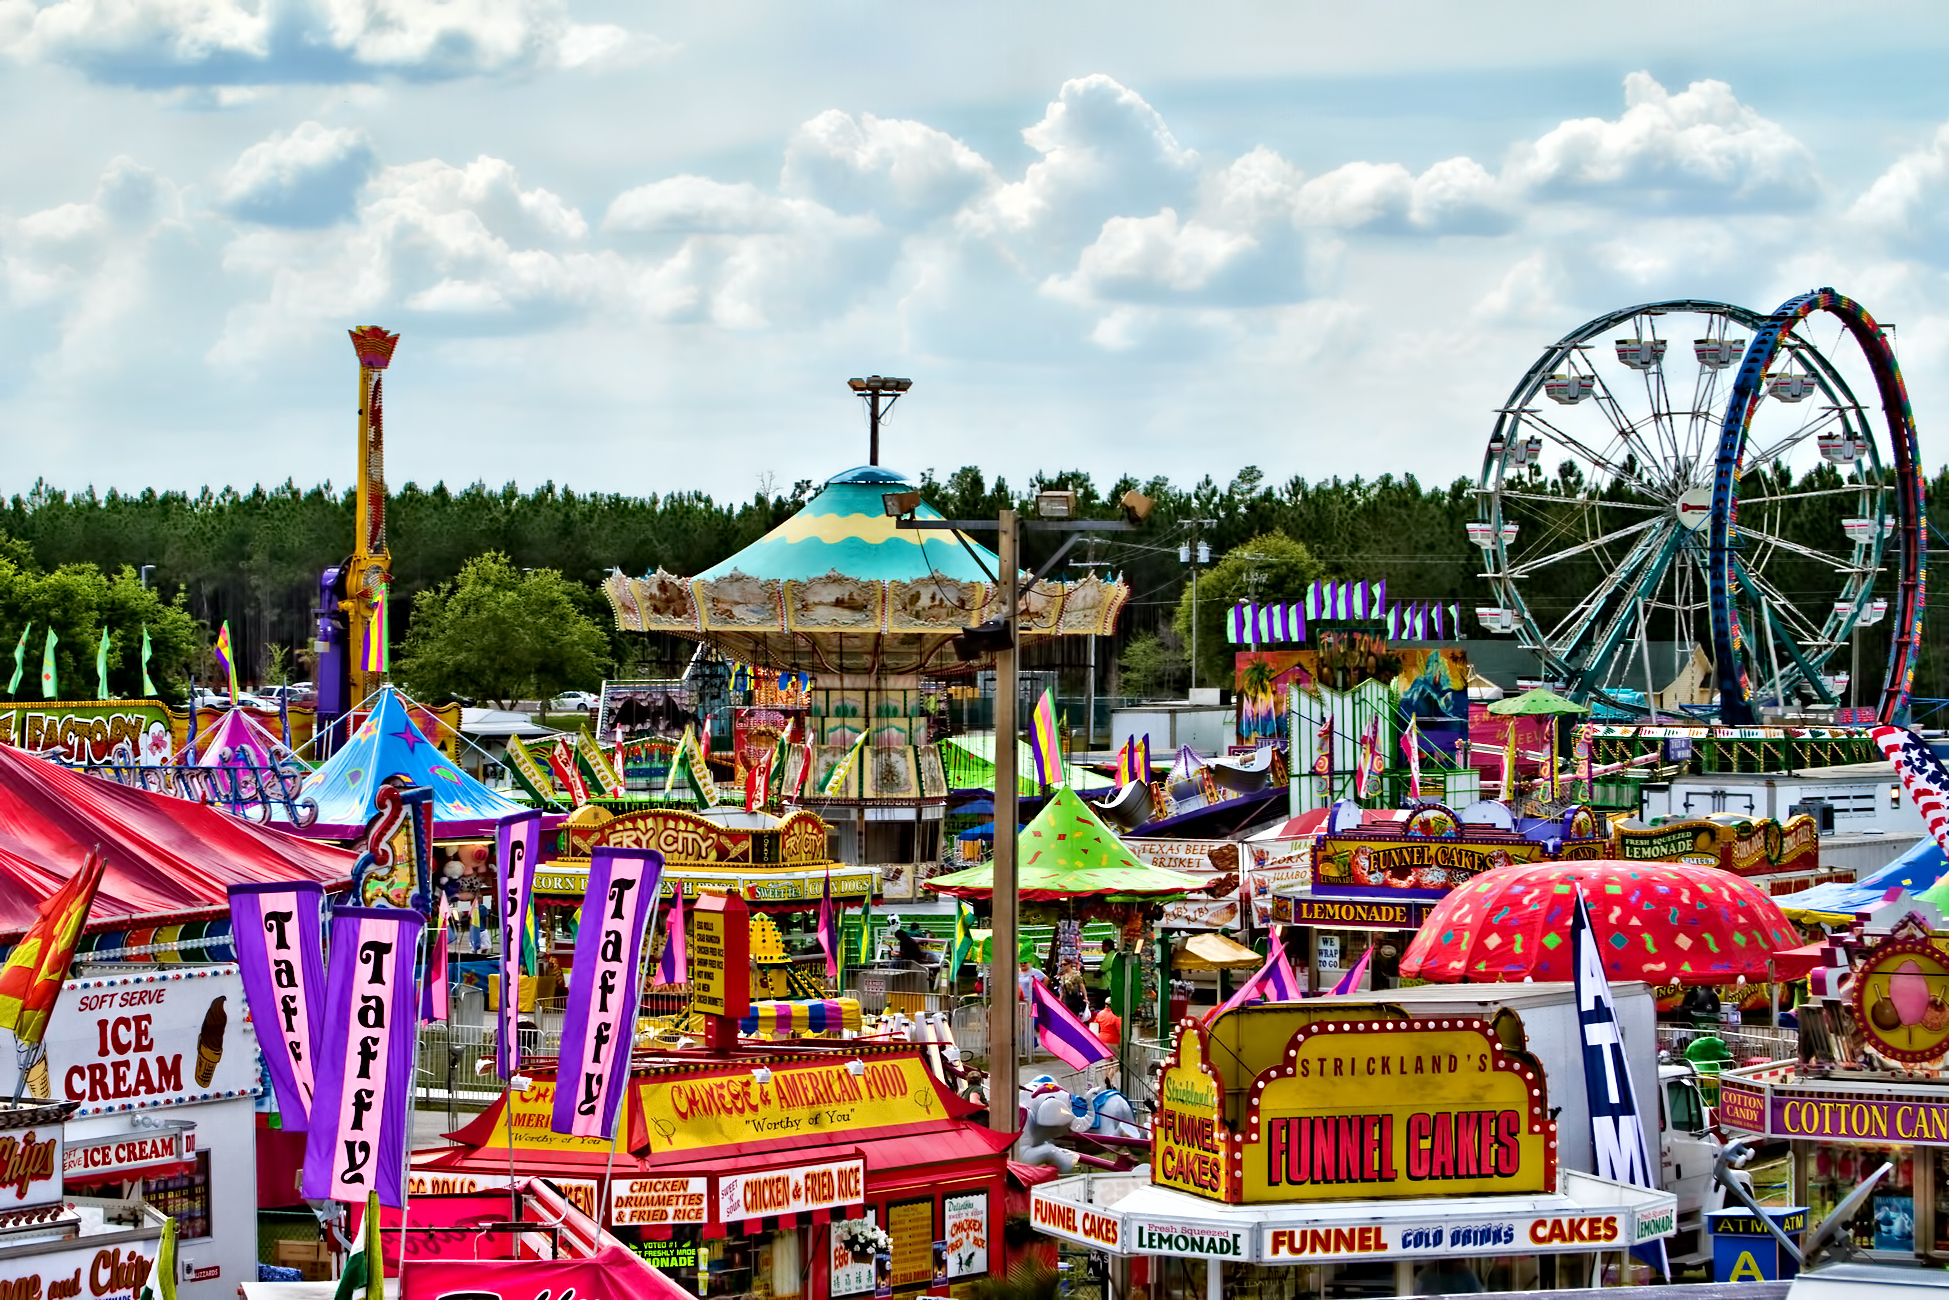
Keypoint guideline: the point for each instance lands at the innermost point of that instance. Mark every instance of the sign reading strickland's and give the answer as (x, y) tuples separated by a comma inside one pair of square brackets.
[(1370, 1109)]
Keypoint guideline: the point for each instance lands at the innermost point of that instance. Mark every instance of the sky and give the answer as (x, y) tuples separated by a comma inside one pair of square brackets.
[(640, 247)]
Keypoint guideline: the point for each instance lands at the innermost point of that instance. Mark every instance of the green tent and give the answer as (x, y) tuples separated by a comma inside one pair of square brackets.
[(1067, 852), (1533, 702)]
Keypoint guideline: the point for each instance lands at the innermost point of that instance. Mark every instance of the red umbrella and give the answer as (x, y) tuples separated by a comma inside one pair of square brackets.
[(1662, 922)]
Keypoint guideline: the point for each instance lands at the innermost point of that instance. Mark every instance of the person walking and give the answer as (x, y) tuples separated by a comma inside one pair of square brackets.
[(1107, 1025)]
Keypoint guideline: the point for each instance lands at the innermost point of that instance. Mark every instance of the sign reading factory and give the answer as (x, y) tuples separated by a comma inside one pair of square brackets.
[(1360, 1110)]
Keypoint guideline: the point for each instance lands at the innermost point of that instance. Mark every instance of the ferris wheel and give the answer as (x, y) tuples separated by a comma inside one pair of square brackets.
[(1662, 446)]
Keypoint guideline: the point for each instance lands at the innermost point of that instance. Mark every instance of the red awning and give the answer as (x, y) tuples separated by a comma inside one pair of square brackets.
[(166, 857), (1791, 964)]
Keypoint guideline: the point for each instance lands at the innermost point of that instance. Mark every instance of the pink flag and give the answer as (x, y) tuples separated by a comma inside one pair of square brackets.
[(1350, 982), (599, 1023), (675, 966), (433, 991), (829, 930), (362, 1110), (1066, 1037)]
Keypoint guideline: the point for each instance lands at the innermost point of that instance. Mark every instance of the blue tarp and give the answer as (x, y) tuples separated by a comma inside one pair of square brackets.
[(388, 744), (1912, 873)]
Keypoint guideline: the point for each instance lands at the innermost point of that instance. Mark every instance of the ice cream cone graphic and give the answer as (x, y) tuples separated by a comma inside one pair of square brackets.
[(38, 1084), (209, 1043)]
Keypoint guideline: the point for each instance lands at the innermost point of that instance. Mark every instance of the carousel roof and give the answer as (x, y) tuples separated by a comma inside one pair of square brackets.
[(846, 529), (841, 588)]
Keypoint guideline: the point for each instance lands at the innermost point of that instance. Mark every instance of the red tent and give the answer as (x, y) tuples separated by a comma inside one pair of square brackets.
[(167, 857)]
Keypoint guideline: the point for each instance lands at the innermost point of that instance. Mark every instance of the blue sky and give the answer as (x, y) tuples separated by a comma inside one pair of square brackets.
[(641, 247)]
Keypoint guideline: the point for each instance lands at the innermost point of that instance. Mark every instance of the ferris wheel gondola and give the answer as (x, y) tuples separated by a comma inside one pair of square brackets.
[(1613, 489)]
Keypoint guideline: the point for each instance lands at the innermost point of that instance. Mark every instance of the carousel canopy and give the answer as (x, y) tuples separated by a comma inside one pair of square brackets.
[(969, 761), (1661, 922), (1067, 852), (1915, 872), (1214, 951), (164, 856), (387, 744), (840, 588), (235, 737), (1534, 703)]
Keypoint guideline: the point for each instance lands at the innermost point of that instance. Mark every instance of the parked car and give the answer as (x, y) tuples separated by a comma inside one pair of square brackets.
[(570, 701)]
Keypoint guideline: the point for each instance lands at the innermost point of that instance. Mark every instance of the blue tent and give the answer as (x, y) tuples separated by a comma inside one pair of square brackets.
[(1913, 872), (388, 744)]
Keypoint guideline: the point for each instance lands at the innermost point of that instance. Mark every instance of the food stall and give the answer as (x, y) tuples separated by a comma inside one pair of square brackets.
[(815, 1170), (159, 1064), (1867, 1087), (1315, 1149)]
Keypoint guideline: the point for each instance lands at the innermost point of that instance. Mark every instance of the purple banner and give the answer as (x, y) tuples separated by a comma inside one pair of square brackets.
[(357, 1142), (600, 1022), (281, 954), (517, 841)]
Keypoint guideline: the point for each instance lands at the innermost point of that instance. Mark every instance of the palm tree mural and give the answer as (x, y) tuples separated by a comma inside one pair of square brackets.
[(1258, 711)]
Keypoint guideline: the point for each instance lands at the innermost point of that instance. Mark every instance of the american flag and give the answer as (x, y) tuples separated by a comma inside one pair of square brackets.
[(1922, 776)]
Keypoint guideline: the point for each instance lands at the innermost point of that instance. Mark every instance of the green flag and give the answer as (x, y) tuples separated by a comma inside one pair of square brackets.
[(866, 930), (148, 687), (50, 683), (364, 1273), (20, 660), (161, 1284), (101, 668), (964, 942)]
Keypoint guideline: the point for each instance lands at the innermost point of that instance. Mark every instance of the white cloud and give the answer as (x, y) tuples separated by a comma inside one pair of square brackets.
[(1700, 147), (882, 165), (1105, 153), (1908, 204), (310, 177), (197, 43)]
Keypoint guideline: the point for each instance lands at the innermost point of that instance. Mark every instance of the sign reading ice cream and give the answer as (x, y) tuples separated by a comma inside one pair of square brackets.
[(165, 1038)]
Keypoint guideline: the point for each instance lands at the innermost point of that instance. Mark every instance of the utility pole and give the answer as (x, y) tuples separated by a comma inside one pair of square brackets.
[(1000, 637), (1089, 735), (1002, 1008), (873, 388), (1195, 553)]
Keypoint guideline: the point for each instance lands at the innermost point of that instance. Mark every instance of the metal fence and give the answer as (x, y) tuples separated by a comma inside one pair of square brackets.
[(1743, 1042)]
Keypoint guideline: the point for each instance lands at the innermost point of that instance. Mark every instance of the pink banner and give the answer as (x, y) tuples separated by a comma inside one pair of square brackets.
[(281, 956), (357, 1141), (517, 841), (600, 1021)]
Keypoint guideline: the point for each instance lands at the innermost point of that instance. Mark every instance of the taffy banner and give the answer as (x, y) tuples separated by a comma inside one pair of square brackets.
[(362, 1106), (278, 934), (517, 843), (600, 1021)]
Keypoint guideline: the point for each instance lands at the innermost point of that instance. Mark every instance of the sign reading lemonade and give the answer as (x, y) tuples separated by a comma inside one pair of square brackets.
[(1358, 1110)]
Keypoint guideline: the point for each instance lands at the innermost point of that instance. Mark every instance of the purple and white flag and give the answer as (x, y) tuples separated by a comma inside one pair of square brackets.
[(363, 1103), (1276, 981), (599, 1024), (517, 842), (281, 955), (1350, 982), (1066, 1037)]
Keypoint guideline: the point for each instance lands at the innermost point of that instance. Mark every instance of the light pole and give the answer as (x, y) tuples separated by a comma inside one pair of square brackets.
[(873, 388), (147, 569), (1000, 637)]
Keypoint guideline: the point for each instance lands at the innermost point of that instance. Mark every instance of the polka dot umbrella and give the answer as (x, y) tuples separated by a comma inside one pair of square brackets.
[(1662, 922)]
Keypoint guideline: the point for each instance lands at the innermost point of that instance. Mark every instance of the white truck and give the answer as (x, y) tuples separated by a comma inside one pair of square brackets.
[(1668, 1098)]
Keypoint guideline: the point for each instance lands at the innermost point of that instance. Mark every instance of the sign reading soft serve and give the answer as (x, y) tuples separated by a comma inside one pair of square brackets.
[(1360, 1110)]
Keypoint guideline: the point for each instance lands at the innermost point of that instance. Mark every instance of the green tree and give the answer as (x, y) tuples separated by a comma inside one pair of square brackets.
[(497, 633), (1150, 666), (1271, 568), (78, 601)]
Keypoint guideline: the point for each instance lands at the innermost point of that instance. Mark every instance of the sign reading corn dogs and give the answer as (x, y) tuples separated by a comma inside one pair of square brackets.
[(140, 1041)]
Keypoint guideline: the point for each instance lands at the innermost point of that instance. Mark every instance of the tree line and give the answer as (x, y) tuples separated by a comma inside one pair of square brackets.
[(252, 558)]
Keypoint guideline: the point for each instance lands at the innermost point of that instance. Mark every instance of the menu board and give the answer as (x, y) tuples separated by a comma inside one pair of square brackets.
[(911, 1225)]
